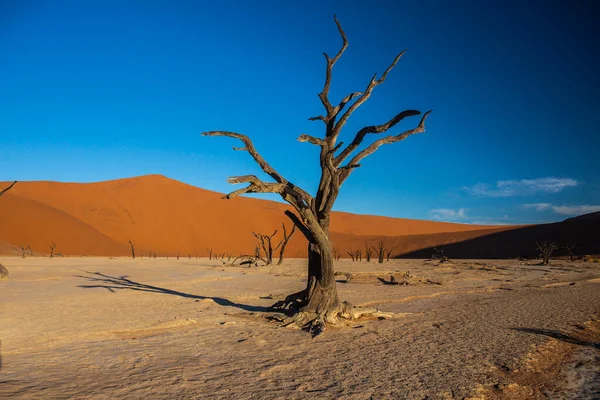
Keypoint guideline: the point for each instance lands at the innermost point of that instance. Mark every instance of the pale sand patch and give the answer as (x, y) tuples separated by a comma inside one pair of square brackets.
[(94, 328)]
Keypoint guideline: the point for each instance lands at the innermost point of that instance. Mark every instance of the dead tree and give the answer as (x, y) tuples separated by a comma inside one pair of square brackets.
[(368, 252), (24, 251), (352, 255), (257, 252), (388, 254), (336, 253), (284, 242), (358, 255), (440, 255), (7, 188), (177, 256), (52, 248), (319, 304), (380, 250), (267, 245), (546, 249), (133, 250), (570, 247), (210, 252)]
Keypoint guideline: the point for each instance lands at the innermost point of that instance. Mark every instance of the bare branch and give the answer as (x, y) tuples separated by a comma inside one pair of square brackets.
[(373, 129), (324, 95), (346, 100), (284, 242), (299, 224), (392, 65), (337, 147), (256, 186), (311, 139), (264, 165), (320, 117), (8, 188), (286, 189), (386, 140), (239, 148), (364, 96), (349, 166)]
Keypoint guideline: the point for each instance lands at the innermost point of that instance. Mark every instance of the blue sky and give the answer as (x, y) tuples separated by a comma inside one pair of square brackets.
[(102, 90)]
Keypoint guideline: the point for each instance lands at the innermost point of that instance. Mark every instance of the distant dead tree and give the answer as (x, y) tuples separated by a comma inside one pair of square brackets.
[(24, 251), (267, 245), (319, 304), (380, 250), (257, 252), (439, 255), (336, 253), (210, 252), (133, 250), (189, 256), (570, 247), (284, 241), (177, 256), (358, 255), (52, 248), (546, 249), (7, 188), (388, 253), (352, 254), (368, 252)]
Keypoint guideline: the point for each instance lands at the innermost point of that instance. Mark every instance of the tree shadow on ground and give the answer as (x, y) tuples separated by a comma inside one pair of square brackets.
[(559, 336), (114, 283)]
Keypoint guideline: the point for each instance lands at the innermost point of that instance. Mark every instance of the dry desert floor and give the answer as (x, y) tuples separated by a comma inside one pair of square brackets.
[(105, 328)]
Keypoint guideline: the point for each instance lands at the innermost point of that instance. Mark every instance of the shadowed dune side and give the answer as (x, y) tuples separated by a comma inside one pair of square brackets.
[(407, 244), (520, 242), (169, 217), (27, 222)]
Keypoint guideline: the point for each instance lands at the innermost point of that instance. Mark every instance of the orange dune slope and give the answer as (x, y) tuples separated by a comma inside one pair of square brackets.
[(25, 222), (168, 217)]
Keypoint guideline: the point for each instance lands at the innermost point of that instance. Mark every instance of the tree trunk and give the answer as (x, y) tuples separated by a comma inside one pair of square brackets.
[(321, 291)]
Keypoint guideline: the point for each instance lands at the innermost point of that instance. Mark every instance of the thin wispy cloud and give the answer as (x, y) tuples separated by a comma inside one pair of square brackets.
[(538, 206), (446, 214), (523, 187), (460, 215), (570, 210)]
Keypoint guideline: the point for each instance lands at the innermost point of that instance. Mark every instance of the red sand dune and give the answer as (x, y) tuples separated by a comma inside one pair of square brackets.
[(168, 217)]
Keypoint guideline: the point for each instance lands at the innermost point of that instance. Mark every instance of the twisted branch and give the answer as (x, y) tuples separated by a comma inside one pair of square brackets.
[(286, 189), (324, 95), (8, 188), (375, 145), (372, 129), (364, 96)]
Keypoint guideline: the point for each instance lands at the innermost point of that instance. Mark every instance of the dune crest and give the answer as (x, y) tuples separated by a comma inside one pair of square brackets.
[(168, 217)]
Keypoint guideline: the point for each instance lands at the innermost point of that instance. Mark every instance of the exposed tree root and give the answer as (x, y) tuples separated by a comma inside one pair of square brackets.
[(315, 322)]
